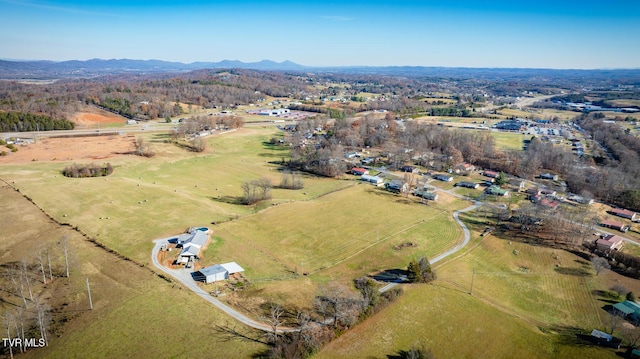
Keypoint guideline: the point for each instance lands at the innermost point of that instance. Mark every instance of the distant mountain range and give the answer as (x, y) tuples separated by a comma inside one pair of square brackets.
[(99, 67), (46, 70)]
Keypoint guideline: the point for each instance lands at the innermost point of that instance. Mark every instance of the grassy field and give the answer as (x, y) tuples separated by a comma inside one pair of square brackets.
[(333, 238), (135, 313), (509, 141), (526, 301), (524, 297), (152, 198)]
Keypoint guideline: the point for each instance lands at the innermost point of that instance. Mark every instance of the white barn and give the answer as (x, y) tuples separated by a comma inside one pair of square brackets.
[(217, 272)]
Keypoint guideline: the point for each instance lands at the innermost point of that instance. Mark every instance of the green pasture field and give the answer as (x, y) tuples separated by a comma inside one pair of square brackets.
[(335, 238), (135, 312), (509, 141), (453, 324), (326, 231), (526, 301), (149, 198)]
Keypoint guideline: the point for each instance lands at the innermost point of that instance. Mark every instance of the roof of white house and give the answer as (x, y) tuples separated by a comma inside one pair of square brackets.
[(199, 238), (232, 267), (190, 250)]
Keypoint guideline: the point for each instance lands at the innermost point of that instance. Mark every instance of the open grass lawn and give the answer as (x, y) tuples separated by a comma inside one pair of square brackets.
[(135, 313), (509, 141)]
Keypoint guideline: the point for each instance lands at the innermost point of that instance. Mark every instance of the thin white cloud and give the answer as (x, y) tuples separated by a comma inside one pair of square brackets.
[(337, 18)]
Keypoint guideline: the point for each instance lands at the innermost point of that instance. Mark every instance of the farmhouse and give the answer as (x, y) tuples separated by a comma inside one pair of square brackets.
[(191, 244), (358, 171), (610, 242), (615, 225), (624, 213), (217, 272), (398, 186), (467, 184), (444, 178), (372, 179)]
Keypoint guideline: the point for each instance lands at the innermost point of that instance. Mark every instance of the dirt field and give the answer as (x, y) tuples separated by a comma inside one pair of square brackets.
[(95, 117), (67, 149)]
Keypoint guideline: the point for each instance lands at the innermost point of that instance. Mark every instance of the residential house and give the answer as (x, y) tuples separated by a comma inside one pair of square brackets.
[(409, 169), (549, 176), (217, 272), (378, 181), (628, 309), (467, 184), (610, 242), (496, 190), (359, 171), (549, 203), (398, 186), (424, 193), (604, 339), (615, 225), (191, 243), (491, 174), (624, 213), (444, 178), (464, 168)]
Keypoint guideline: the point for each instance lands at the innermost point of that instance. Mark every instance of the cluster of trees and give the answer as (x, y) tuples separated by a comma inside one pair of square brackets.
[(23, 122), (195, 124), (291, 180), (419, 271), (90, 170), (340, 309), (144, 148), (256, 191), (621, 262)]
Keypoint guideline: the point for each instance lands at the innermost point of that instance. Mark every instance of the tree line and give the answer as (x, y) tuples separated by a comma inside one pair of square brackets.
[(25, 122)]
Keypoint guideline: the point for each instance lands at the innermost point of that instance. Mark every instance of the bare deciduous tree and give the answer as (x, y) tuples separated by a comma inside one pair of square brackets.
[(599, 264)]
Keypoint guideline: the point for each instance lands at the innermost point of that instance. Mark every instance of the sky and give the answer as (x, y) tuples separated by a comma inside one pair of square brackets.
[(464, 33)]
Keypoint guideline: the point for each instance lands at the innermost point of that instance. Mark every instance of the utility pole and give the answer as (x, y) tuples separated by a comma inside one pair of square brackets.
[(89, 291), (473, 274)]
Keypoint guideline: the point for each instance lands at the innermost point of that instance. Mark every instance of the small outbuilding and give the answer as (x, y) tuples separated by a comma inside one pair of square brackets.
[(217, 272)]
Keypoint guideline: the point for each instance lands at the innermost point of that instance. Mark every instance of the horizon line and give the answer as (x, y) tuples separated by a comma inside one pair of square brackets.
[(331, 66)]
